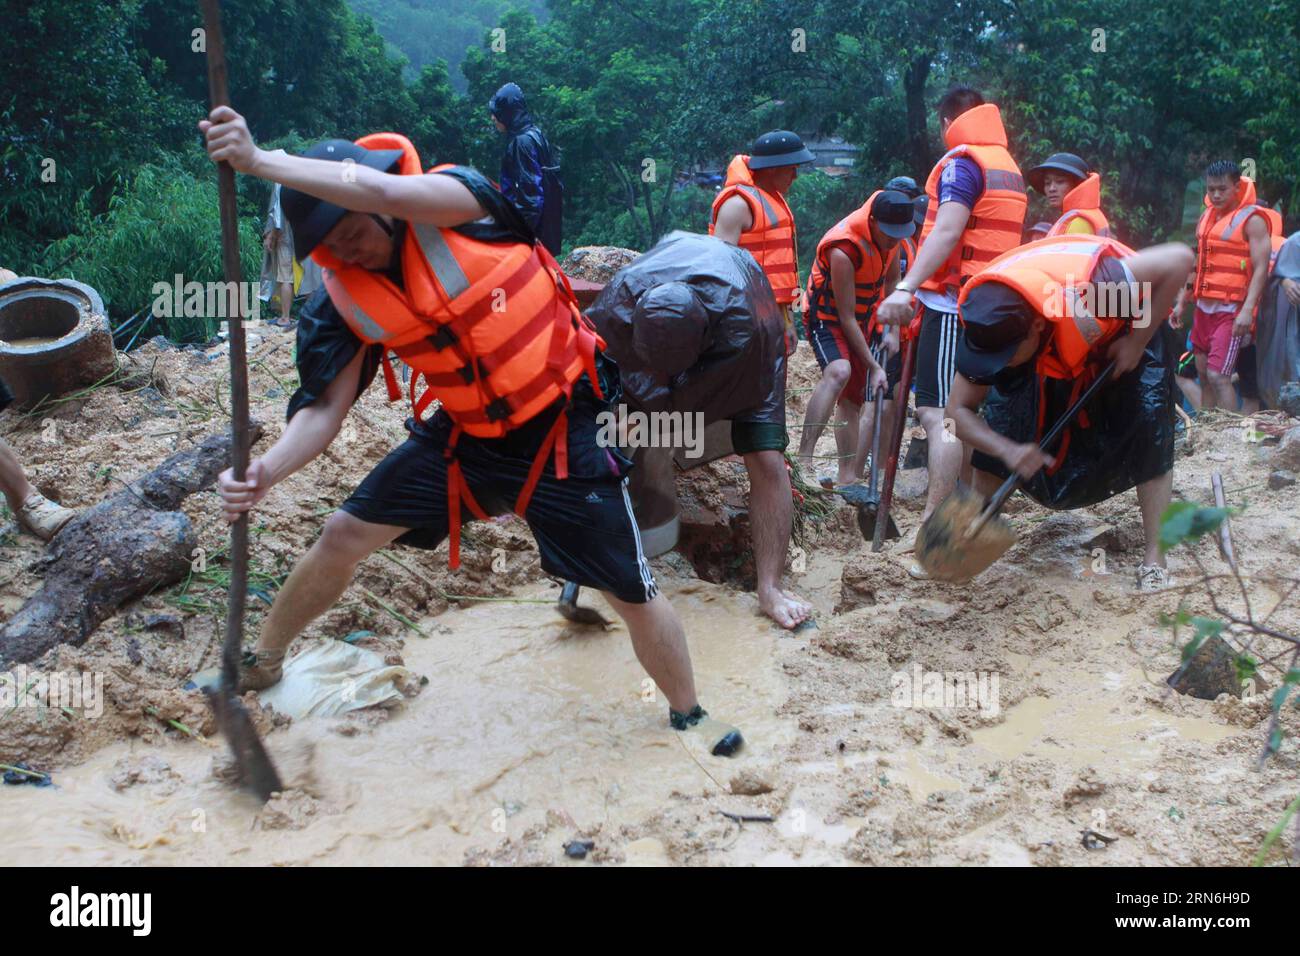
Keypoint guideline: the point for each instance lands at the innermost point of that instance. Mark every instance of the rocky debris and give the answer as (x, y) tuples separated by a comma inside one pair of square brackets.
[(715, 524), (1288, 450), (596, 263), (1211, 671), (291, 810), (149, 769), (752, 783), (1281, 479), (1288, 399), (1087, 785)]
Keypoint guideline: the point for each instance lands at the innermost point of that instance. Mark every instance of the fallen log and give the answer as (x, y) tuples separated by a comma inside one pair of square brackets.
[(114, 552)]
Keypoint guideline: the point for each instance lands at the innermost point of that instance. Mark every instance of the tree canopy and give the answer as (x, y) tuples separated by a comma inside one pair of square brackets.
[(636, 98)]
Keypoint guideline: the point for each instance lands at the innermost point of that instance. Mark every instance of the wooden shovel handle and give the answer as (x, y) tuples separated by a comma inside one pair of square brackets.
[(1013, 480), (895, 445), (219, 94)]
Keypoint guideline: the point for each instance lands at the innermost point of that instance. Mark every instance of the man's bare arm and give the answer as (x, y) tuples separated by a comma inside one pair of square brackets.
[(963, 408), (1261, 249), (312, 429), (733, 218), (437, 200), (949, 224)]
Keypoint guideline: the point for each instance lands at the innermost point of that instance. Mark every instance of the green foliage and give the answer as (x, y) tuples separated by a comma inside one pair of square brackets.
[(1185, 521), (635, 98), (426, 31), (164, 222)]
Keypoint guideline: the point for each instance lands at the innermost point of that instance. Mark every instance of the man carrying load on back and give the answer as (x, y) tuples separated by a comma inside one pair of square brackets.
[(440, 269)]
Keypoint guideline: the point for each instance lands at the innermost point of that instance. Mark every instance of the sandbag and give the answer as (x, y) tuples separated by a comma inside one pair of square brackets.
[(1277, 328), (722, 355), (333, 677)]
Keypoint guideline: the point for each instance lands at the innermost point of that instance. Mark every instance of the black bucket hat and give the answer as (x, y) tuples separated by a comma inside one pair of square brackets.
[(995, 319), (1059, 162), (778, 148), (312, 218)]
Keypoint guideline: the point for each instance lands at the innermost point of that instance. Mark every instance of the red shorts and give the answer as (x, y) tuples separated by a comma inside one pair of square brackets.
[(828, 346), (1212, 337)]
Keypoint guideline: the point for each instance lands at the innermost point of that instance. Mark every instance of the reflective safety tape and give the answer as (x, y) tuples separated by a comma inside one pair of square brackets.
[(439, 256)]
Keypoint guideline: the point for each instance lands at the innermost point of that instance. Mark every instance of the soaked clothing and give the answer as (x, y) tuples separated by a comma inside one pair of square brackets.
[(530, 173), (936, 357), (1129, 438), (583, 524)]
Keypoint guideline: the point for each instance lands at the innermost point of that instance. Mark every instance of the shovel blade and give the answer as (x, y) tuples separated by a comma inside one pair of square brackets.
[(572, 612), (256, 772), (945, 546), (869, 515)]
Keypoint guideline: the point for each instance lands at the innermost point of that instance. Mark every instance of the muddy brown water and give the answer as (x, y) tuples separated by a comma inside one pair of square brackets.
[(526, 719), (522, 715)]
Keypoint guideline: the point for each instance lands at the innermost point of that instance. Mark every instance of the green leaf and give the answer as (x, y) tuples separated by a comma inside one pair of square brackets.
[(1185, 521), (1206, 628)]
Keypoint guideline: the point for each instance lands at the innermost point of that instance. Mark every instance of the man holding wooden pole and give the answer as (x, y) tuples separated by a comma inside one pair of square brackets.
[(440, 269)]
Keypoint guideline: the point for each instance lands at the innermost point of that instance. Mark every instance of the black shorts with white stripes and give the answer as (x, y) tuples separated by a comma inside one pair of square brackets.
[(583, 525), (936, 357)]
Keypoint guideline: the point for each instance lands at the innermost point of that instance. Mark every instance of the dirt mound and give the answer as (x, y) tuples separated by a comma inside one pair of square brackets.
[(165, 399), (596, 263)]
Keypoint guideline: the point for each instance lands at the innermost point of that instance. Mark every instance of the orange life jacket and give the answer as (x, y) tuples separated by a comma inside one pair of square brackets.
[(771, 237), (1223, 265), (1083, 202), (869, 272), (1054, 275), (996, 222), (492, 328)]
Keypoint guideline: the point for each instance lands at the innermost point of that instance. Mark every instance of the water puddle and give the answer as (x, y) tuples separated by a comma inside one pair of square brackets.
[(522, 715), (1100, 726)]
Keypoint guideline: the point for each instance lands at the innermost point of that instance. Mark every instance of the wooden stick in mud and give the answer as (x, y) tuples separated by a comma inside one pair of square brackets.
[(1225, 531)]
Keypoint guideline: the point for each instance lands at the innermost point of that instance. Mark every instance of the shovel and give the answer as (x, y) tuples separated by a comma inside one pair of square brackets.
[(868, 511), (568, 607), (254, 767), (895, 445), (962, 538)]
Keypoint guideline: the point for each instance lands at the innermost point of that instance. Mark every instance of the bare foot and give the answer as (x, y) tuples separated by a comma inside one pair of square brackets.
[(785, 609)]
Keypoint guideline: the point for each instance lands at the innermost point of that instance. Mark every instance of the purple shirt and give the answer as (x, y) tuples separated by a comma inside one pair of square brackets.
[(961, 181)]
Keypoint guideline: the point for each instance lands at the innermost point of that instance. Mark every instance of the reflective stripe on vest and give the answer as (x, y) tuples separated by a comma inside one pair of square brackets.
[(995, 223), (771, 237)]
